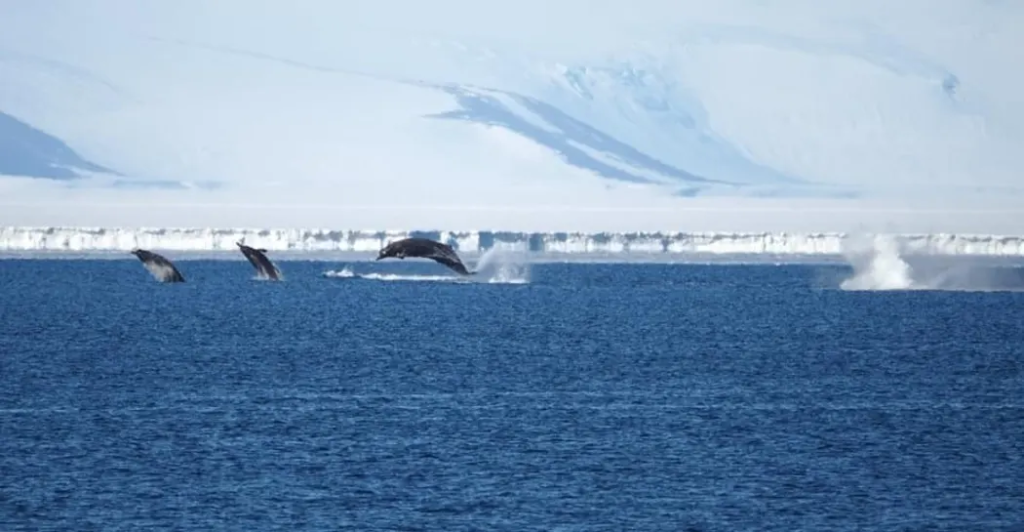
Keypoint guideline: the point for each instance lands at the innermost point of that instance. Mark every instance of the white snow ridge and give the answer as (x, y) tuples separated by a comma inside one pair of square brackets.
[(77, 239)]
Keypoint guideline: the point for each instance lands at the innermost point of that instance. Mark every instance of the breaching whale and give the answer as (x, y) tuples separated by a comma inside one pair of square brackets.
[(427, 249), (264, 268), (162, 269)]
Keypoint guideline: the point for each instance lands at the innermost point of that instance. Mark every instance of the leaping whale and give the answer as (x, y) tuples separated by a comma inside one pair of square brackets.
[(264, 268), (162, 269), (427, 249)]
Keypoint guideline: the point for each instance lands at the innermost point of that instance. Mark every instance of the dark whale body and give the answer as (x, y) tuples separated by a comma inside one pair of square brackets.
[(264, 268), (427, 249), (162, 269)]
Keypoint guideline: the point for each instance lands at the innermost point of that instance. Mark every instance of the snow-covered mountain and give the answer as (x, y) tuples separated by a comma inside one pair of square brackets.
[(377, 106)]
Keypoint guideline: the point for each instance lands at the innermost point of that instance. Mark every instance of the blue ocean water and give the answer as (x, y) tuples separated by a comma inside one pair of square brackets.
[(591, 397)]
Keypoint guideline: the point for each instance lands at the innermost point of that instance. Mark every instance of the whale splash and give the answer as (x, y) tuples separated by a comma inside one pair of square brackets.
[(887, 262), (504, 264), (498, 265), (877, 264)]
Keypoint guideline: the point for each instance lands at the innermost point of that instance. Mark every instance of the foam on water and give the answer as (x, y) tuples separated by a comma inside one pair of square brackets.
[(348, 273)]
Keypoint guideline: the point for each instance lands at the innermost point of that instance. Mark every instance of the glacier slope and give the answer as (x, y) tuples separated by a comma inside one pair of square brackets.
[(320, 102), (290, 136), (27, 151)]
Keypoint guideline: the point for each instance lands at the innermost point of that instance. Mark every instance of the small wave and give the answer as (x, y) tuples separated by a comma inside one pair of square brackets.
[(348, 273), (344, 273)]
